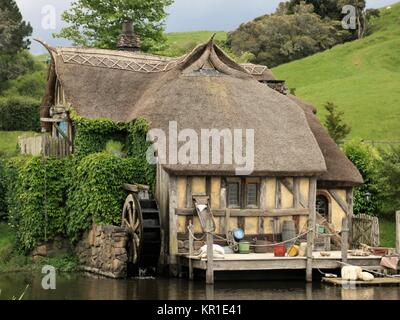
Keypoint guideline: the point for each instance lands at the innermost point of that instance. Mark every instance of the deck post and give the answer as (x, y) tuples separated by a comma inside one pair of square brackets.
[(210, 258), (349, 200), (191, 249), (311, 226), (398, 232), (345, 238)]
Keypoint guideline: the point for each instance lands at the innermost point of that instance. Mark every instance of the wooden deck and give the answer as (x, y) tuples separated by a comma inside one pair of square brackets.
[(267, 261), (375, 282)]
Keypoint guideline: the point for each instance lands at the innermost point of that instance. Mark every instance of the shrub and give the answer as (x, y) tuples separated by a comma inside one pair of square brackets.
[(36, 199), (3, 190), (97, 194), (365, 158), (388, 181), (19, 114)]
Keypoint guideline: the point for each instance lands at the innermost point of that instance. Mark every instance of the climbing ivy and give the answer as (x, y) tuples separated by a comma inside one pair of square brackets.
[(36, 198)]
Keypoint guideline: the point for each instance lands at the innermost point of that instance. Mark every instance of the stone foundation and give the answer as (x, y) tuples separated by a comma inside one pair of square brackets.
[(102, 250)]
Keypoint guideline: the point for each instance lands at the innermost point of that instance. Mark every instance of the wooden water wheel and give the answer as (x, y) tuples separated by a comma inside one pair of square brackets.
[(141, 217), (132, 220)]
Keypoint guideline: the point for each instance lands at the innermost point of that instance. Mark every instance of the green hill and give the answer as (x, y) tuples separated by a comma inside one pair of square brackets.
[(180, 43), (362, 77)]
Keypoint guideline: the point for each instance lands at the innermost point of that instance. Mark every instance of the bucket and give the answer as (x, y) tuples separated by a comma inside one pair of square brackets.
[(263, 246), (321, 229), (288, 232), (303, 249), (244, 247), (279, 250), (293, 251)]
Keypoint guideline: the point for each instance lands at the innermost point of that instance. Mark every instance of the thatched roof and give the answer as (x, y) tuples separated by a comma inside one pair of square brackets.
[(202, 90)]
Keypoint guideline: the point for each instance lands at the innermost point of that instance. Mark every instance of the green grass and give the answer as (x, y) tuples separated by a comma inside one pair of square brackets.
[(13, 261), (9, 141), (362, 77), (387, 230), (179, 43)]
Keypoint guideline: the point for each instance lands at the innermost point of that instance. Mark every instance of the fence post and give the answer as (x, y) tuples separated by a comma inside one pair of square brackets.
[(311, 227), (191, 244), (398, 232), (210, 258), (345, 239)]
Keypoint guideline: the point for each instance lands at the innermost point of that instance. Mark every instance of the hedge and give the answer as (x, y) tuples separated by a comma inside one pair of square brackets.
[(36, 198), (19, 114)]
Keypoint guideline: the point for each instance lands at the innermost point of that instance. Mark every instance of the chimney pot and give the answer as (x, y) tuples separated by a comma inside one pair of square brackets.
[(128, 40)]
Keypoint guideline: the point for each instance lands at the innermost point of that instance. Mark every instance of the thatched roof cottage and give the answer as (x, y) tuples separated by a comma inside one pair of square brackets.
[(297, 167)]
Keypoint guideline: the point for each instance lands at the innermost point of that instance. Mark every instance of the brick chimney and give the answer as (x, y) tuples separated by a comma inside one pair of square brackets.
[(128, 40)]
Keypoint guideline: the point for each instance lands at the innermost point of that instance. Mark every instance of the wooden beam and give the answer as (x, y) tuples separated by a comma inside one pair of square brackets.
[(189, 200), (53, 120), (278, 194), (249, 212), (191, 250), (312, 193), (173, 239), (345, 239), (349, 201), (210, 258), (339, 200), (295, 190), (398, 232), (296, 193)]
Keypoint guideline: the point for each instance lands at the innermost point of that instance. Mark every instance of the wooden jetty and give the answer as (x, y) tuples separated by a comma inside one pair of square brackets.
[(375, 282)]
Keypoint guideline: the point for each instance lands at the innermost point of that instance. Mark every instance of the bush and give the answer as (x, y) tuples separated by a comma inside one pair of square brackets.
[(365, 158), (36, 199), (97, 194), (3, 190), (388, 180), (19, 114)]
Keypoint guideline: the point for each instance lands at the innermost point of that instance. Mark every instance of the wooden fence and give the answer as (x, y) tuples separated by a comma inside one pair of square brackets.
[(44, 145), (365, 230)]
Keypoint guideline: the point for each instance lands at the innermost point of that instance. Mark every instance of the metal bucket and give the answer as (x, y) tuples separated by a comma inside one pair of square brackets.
[(288, 232), (244, 247), (262, 247)]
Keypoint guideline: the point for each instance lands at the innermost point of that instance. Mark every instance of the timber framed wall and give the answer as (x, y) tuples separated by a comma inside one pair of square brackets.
[(280, 199)]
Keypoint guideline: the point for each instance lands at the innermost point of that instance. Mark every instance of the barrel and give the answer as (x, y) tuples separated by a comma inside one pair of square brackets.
[(288, 232)]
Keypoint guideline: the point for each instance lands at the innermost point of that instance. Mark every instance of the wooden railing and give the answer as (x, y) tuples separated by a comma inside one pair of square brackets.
[(44, 145)]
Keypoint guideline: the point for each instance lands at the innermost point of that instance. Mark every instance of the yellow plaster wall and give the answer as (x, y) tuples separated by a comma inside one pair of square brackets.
[(270, 196), (337, 213), (215, 192), (286, 196)]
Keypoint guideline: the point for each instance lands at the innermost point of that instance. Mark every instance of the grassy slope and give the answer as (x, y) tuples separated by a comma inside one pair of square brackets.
[(362, 77), (180, 43), (9, 141)]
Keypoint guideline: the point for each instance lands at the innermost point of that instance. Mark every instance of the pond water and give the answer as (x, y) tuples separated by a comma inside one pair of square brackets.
[(88, 287)]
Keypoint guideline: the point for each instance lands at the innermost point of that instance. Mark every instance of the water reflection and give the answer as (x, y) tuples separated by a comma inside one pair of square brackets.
[(89, 287)]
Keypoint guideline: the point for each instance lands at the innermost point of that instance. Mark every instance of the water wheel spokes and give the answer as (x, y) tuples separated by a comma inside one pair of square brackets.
[(133, 221)]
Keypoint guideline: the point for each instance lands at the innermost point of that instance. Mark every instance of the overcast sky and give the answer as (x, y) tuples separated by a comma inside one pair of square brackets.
[(184, 15)]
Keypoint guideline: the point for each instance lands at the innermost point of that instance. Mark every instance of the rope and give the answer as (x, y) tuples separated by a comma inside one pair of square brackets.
[(234, 243)]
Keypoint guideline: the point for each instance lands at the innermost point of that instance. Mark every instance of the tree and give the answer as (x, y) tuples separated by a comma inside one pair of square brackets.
[(97, 23), (365, 158), (13, 30), (338, 130), (277, 39), (325, 9)]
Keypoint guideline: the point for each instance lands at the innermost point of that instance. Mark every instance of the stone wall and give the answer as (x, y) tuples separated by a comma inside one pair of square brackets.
[(102, 250)]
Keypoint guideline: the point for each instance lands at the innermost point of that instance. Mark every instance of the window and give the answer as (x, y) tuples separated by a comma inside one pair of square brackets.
[(252, 195), (322, 206), (243, 193), (234, 194)]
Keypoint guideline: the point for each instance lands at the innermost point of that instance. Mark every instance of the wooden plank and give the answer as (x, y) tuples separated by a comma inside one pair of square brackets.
[(51, 120), (242, 223), (189, 200), (339, 200), (62, 133), (345, 239), (191, 251), (260, 229), (250, 212), (374, 282), (227, 218), (349, 201), (398, 232), (222, 201), (311, 226), (296, 193), (173, 240), (210, 258), (278, 194)]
